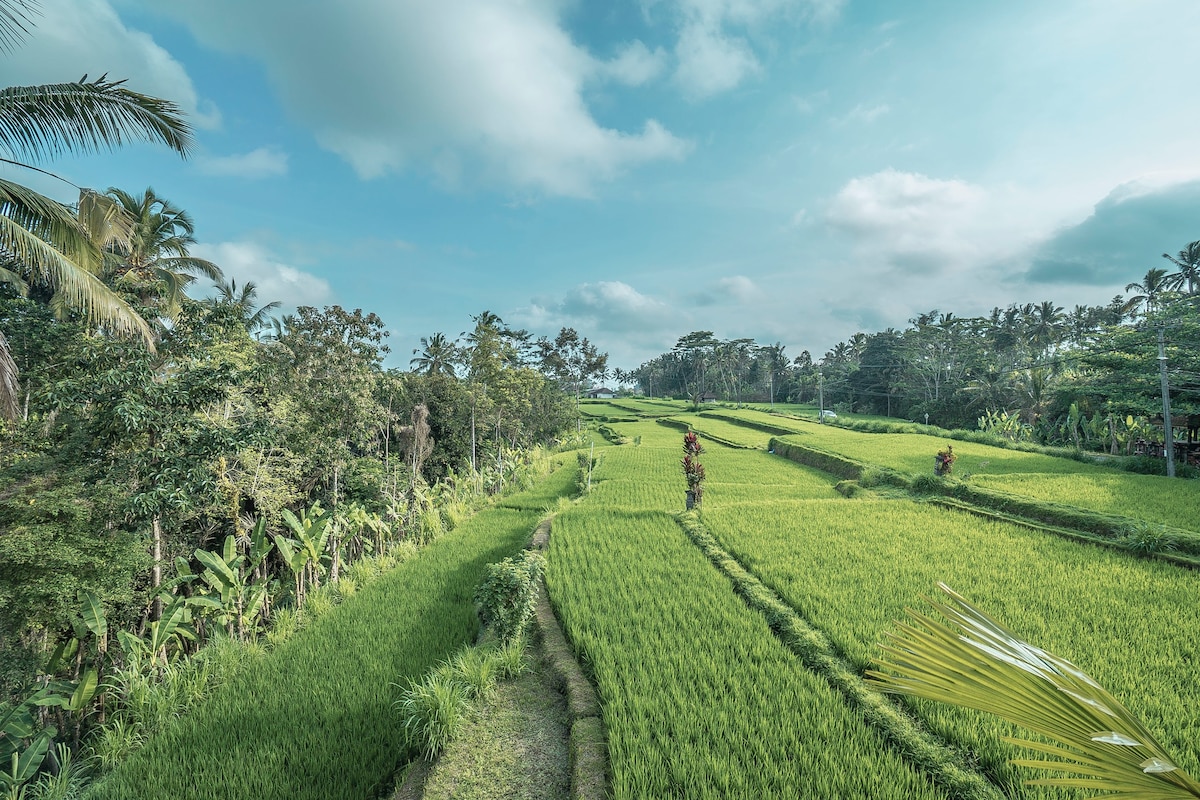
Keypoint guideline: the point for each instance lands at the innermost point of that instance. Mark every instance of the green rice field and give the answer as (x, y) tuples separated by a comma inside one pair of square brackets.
[(700, 699), (635, 598)]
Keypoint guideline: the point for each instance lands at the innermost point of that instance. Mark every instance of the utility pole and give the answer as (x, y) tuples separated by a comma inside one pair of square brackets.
[(1168, 427), (821, 397)]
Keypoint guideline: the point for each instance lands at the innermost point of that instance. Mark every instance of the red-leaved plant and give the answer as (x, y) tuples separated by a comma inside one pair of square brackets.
[(693, 470)]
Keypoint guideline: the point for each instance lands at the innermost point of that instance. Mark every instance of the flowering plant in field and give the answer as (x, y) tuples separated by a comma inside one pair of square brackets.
[(944, 462), (693, 470)]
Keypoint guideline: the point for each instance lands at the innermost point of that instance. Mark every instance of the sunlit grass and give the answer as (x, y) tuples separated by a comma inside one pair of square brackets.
[(700, 699), (851, 567)]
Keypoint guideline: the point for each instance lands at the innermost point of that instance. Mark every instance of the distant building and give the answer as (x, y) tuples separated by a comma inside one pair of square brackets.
[(708, 397), (601, 393)]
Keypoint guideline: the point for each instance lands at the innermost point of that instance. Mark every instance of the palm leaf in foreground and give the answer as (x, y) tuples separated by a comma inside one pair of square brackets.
[(976, 663)]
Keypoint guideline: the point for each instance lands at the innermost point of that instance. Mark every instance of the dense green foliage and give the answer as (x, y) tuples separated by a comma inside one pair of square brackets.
[(1032, 372), (507, 596)]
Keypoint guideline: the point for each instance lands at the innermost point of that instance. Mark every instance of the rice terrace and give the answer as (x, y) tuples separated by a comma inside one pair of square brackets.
[(762, 465)]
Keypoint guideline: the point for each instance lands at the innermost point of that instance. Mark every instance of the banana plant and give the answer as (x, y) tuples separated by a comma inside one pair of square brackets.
[(173, 627), (304, 554), (240, 598), (22, 747), (974, 662)]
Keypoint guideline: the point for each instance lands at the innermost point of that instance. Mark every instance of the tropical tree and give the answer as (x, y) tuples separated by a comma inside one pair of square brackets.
[(243, 299), (47, 244), (437, 355), (156, 254), (1151, 291), (1188, 261)]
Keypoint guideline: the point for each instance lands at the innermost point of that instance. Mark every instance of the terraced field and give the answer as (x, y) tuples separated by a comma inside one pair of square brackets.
[(684, 666)]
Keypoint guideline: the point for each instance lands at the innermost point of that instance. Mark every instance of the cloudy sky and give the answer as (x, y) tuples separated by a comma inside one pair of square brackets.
[(787, 170)]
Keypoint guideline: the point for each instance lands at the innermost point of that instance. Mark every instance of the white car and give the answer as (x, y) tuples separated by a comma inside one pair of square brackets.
[(827, 414)]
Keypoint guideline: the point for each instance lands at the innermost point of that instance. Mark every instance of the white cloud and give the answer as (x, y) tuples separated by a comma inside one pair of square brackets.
[(478, 91), (905, 219), (635, 64), (732, 290), (602, 306), (712, 58), (711, 62), (276, 280), (262, 162), (71, 38)]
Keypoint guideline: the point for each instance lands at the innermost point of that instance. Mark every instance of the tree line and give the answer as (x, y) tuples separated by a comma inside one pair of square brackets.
[(1034, 371)]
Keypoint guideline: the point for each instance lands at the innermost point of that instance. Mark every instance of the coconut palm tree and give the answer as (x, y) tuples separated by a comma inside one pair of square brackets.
[(438, 355), (156, 256), (44, 243), (243, 298), (1188, 261), (1153, 287), (974, 662)]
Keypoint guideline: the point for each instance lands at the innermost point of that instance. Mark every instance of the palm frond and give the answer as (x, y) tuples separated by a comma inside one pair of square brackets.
[(16, 17), (976, 663), (50, 221), (107, 224), (190, 266), (44, 265), (10, 408), (40, 122), (14, 280)]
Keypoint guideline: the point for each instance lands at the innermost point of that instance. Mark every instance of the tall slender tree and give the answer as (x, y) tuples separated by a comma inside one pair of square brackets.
[(1188, 277), (156, 260)]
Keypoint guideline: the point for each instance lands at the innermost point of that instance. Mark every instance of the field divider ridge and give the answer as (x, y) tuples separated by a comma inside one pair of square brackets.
[(1058, 519), (588, 745), (912, 740)]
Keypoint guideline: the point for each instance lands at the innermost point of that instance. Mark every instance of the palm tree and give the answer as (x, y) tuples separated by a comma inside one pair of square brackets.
[(157, 251), (974, 662), (1188, 262), (1153, 287), (1045, 325), (437, 356), (44, 243), (243, 299)]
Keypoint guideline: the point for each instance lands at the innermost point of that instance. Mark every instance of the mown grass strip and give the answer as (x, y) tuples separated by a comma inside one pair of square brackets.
[(907, 736), (314, 720), (700, 699)]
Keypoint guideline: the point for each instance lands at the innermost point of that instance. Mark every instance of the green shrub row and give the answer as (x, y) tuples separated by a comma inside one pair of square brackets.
[(765, 427), (834, 464), (672, 422), (1118, 531)]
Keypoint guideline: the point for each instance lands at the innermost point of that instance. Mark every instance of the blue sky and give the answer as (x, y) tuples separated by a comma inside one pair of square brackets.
[(787, 170)]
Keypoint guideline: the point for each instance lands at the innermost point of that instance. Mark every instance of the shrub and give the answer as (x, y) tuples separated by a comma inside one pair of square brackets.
[(511, 658), (847, 488), (477, 670), (1147, 539), (926, 484), (872, 476), (434, 711), (508, 595)]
